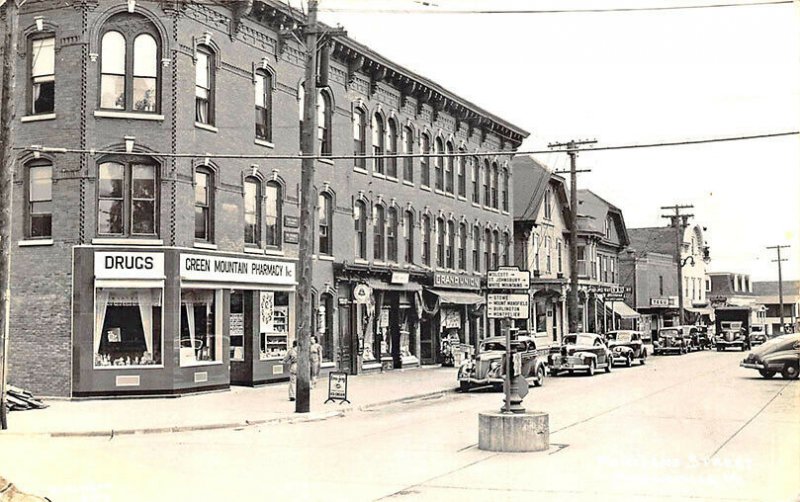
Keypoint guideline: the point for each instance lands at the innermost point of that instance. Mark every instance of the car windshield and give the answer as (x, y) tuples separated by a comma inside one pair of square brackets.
[(669, 332), (489, 346), (624, 337), (579, 340)]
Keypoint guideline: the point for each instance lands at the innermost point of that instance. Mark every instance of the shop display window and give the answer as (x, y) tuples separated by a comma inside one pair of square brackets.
[(236, 323), (201, 326), (127, 327), (274, 324)]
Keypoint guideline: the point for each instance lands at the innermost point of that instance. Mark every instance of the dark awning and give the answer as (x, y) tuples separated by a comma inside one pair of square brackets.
[(458, 297)]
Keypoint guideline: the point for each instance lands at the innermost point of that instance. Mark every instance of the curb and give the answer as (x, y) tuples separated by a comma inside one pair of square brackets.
[(289, 419)]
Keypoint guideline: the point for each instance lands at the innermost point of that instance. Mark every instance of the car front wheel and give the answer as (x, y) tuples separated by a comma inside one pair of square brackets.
[(539, 377), (790, 371), (628, 361), (609, 364), (464, 386), (767, 373), (591, 368)]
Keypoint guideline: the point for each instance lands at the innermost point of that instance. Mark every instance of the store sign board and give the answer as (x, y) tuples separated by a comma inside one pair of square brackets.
[(456, 281), (125, 265), (614, 297), (291, 221), (669, 301), (503, 306), (197, 267), (508, 278), (400, 277), (337, 387), (291, 237)]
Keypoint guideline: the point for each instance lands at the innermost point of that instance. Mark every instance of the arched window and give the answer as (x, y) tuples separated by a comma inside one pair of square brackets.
[(476, 248), (391, 148), (408, 234), (391, 234), (476, 180), (487, 248), (127, 197), (360, 136), (324, 116), (461, 174), (440, 239), (378, 232), (252, 211), (495, 250), (451, 244), (425, 162), (263, 106), (408, 148), (494, 184), (448, 168), (129, 64), (41, 61), (204, 85), (462, 246), (504, 189), (325, 223), (487, 194), (273, 214), (39, 198), (360, 222), (203, 204), (438, 163), (378, 143), (426, 240)]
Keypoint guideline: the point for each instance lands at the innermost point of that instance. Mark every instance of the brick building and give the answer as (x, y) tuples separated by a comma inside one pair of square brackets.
[(144, 265)]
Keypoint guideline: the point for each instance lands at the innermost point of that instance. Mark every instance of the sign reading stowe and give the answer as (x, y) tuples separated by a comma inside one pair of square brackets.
[(197, 267)]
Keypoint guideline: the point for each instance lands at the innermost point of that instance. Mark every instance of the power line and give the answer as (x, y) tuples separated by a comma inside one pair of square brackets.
[(551, 11), (91, 151)]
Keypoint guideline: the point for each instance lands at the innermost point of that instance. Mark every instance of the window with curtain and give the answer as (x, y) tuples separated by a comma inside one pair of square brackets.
[(378, 232), (461, 174), (39, 207), (360, 137), (378, 143), (204, 86), (408, 148), (201, 327), (203, 204), (391, 234), (487, 249), (41, 61), (263, 100), (426, 240), (324, 122), (462, 246), (273, 212), (252, 211), (438, 163), (504, 189), (127, 198), (476, 248), (360, 221), (408, 235), (127, 330), (487, 194), (391, 148), (494, 183), (495, 249), (448, 168), (325, 222), (440, 242), (476, 180), (425, 162), (451, 245)]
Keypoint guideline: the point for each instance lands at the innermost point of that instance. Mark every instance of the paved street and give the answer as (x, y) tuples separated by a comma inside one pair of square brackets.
[(681, 427)]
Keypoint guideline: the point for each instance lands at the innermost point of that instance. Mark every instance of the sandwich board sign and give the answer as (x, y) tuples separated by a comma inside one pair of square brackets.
[(337, 387)]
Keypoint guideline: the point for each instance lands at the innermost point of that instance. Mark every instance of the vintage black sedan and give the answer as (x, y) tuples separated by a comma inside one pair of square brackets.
[(627, 346), (581, 352), (488, 367), (777, 355), (672, 340)]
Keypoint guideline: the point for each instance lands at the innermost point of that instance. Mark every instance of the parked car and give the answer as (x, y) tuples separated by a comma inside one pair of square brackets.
[(779, 354), (581, 352), (736, 338), (700, 337), (488, 367), (757, 335), (625, 346), (671, 340)]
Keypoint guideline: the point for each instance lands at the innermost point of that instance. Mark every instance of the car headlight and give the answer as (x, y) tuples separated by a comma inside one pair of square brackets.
[(617, 349)]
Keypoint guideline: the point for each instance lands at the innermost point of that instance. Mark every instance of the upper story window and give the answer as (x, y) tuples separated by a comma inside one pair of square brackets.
[(252, 211), (39, 207), (391, 234), (408, 148), (461, 174), (127, 198), (438, 161), (487, 194), (360, 136), (203, 204), (360, 222), (476, 180), (494, 184), (408, 234), (560, 256), (609, 226), (42, 66), (462, 246), (263, 106), (426, 240), (425, 162), (476, 248), (273, 213), (487, 249), (504, 189), (391, 148), (378, 143), (204, 86), (440, 240), (324, 122), (129, 69), (325, 222), (548, 255), (548, 205), (536, 244), (495, 249), (451, 245), (661, 285), (378, 229), (506, 249), (448, 167)]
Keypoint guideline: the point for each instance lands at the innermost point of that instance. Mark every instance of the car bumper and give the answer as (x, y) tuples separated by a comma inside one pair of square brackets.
[(729, 344), (620, 358), (754, 366), (481, 381), (570, 363), (669, 349)]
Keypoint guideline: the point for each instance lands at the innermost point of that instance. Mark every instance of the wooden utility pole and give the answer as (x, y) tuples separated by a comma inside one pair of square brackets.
[(780, 282), (679, 221), (572, 296), (7, 116)]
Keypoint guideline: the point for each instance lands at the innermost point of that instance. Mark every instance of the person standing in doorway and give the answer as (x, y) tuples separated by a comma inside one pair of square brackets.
[(291, 359), (315, 352)]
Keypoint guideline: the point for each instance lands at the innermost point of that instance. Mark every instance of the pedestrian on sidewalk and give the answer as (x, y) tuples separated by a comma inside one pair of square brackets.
[(291, 359), (315, 352)]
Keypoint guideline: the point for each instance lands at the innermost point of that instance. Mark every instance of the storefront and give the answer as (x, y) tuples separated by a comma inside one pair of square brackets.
[(163, 321), (548, 311)]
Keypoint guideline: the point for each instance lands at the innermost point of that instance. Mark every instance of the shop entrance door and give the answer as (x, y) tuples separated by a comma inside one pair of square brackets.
[(427, 352), (346, 346)]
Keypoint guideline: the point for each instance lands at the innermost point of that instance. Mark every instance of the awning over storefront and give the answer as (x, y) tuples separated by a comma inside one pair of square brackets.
[(458, 297), (385, 286), (624, 311), (703, 311)]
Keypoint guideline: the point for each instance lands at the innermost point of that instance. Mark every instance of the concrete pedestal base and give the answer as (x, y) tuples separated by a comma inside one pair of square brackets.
[(514, 432)]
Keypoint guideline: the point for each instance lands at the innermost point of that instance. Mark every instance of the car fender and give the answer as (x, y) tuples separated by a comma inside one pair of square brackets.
[(586, 356), (781, 358)]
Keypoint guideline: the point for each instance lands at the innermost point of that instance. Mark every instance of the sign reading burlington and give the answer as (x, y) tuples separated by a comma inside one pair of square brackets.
[(195, 267)]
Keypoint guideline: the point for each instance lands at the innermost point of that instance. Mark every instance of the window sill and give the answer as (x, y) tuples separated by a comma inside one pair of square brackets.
[(206, 127), (127, 242), (330, 162), (359, 170), (35, 242), (476, 204), (392, 178), (425, 187), (361, 261), (325, 257), (439, 192), (253, 250), (274, 252), (380, 263), (408, 183), (131, 367), (462, 199), (263, 142), (505, 212), (378, 175), (38, 118), (109, 114), (205, 245)]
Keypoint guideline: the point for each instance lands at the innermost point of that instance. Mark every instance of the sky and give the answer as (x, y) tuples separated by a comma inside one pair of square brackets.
[(630, 78)]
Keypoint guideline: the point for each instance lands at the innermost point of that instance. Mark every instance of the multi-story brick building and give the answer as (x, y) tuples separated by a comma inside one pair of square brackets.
[(154, 253)]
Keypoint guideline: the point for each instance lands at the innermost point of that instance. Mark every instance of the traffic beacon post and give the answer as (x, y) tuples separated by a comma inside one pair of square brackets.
[(512, 429)]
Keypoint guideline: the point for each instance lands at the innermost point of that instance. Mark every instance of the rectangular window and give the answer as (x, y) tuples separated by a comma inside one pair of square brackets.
[(408, 234), (201, 326), (426, 241), (274, 321), (40, 201), (132, 210), (408, 148), (424, 162), (462, 176), (143, 199), (504, 188), (203, 90), (476, 176), (272, 215), (324, 216), (560, 259), (127, 329), (252, 214), (661, 285), (536, 244), (359, 138), (263, 100), (548, 256), (202, 206), (43, 78), (440, 243), (476, 249)]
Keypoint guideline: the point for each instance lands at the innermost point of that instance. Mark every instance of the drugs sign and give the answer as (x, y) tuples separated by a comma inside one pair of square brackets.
[(501, 306)]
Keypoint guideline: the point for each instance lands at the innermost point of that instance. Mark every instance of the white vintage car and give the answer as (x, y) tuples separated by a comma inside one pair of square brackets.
[(488, 367)]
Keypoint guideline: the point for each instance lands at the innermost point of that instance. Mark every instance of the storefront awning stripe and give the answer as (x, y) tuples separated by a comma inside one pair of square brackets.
[(129, 283), (458, 297), (624, 311)]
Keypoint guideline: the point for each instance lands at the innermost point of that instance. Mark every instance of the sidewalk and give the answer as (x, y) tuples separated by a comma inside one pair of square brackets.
[(238, 407)]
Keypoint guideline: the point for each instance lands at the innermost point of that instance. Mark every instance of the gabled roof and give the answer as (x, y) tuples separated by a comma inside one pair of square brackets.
[(597, 209), (653, 240), (530, 183)]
